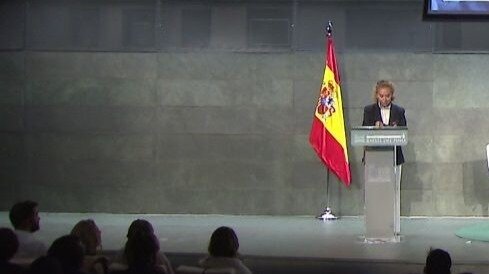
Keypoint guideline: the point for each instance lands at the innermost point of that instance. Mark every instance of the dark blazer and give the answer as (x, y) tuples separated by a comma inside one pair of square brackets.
[(371, 114)]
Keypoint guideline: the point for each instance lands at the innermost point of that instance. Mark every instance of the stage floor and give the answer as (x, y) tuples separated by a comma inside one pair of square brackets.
[(291, 244)]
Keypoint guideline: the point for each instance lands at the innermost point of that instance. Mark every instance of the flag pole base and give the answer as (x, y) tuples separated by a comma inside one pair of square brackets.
[(327, 215)]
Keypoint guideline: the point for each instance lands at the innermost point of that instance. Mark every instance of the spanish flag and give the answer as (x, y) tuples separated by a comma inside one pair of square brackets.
[(327, 135)]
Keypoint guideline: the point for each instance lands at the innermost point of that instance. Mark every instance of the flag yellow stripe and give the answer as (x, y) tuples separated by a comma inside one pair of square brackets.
[(335, 124)]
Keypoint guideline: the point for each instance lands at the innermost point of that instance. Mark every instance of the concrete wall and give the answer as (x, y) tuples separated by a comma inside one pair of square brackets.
[(169, 122)]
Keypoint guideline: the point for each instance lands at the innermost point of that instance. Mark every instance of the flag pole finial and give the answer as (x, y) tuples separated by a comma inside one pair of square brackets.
[(329, 28)]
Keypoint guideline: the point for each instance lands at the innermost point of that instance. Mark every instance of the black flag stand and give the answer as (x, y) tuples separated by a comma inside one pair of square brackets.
[(327, 214)]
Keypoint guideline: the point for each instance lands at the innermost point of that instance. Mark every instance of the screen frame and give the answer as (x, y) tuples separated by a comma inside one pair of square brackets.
[(429, 15)]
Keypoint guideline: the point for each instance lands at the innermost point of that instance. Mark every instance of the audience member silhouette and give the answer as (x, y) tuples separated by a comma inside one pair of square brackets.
[(143, 227), (45, 265), (8, 247), (68, 250), (24, 217), (223, 251), (90, 237), (438, 261), (140, 253)]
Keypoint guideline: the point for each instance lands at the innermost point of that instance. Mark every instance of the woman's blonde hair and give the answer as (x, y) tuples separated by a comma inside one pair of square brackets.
[(87, 231), (383, 84)]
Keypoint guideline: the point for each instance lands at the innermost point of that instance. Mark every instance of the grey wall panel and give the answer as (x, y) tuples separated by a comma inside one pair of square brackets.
[(397, 66), (13, 164), (418, 177), (387, 26), (13, 65), (475, 186), (91, 146), (420, 203), (459, 120), (74, 64), (12, 24), (90, 91), (420, 149), (91, 119), (458, 82), (11, 118), (228, 25)]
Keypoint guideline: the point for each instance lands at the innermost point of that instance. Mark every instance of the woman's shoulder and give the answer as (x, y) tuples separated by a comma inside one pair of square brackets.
[(397, 108), (217, 262), (370, 107)]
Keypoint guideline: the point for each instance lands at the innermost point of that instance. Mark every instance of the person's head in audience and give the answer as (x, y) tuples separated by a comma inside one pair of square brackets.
[(89, 235), (438, 261), (8, 244), (45, 265), (139, 226), (69, 252), (223, 243), (141, 250), (25, 216)]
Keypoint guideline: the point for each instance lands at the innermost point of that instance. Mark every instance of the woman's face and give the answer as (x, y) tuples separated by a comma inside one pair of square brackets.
[(384, 96)]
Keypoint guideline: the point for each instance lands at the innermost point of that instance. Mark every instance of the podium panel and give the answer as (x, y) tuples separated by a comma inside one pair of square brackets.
[(381, 194)]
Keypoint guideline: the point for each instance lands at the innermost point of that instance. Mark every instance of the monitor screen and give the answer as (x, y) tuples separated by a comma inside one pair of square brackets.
[(456, 9)]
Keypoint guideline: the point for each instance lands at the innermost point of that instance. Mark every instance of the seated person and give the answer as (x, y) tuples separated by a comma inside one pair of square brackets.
[(90, 237), (24, 217), (140, 254), (223, 251), (68, 250), (141, 226), (8, 246)]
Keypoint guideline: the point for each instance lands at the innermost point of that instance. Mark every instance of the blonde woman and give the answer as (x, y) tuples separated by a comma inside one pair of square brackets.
[(384, 113), (90, 237)]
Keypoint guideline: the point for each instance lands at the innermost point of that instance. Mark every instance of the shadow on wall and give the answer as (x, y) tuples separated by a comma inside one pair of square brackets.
[(412, 182), (476, 185)]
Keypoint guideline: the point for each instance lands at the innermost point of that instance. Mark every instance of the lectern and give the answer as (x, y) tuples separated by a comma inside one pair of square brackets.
[(380, 179)]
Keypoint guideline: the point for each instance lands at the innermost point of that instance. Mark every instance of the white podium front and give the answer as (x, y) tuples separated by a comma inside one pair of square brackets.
[(380, 179)]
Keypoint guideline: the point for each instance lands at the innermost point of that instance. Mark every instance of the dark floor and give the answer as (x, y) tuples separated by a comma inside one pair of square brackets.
[(291, 244)]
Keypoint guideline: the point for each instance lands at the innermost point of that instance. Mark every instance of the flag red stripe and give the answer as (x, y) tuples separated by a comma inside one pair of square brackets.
[(331, 60), (329, 151)]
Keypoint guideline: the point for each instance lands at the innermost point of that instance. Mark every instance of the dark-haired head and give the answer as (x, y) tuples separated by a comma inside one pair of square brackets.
[(139, 226), (24, 216), (223, 243), (438, 261), (68, 250)]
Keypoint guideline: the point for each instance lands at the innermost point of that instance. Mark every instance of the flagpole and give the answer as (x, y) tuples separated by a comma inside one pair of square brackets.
[(327, 214)]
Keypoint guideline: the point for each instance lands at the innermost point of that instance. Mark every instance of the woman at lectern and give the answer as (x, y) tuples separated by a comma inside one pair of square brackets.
[(384, 113)]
